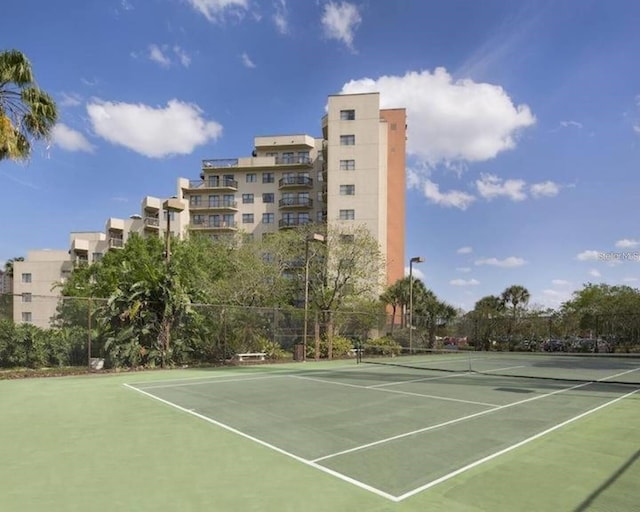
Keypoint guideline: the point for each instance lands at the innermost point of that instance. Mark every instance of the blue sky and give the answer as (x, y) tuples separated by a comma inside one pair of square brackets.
[(524, 120)]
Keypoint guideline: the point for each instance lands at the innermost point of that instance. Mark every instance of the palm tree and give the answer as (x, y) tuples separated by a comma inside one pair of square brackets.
[(8, 265), (26, 112), (515, 298)]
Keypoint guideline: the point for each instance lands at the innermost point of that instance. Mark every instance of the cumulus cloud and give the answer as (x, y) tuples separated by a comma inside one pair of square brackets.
[(165, 55), (509, 262), (570, 124), (246, 61), (560, 282), (417, 273), (630, 280), (464, 282), (627, 243), (155, 132), (70, 99), (452, 121), (182, 56), (490, 186), (594, 273), (463, 269), (157, 55), (340, 21), (465, 250), (588, 255), (545, 189), (280, 18), (70, 139), (453, 198), (217, 10)]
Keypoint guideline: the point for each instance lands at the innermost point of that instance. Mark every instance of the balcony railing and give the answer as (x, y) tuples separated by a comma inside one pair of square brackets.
[(151, 222), (293, 160), (295, 181), (214, 183), (218, 163), (292, 223), (116, 243), (295, 202), (212, 205), (214, 224)]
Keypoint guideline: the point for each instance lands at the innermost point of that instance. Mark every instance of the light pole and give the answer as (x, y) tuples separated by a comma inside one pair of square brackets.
[(170, 206), (416, 259), (311, 238)]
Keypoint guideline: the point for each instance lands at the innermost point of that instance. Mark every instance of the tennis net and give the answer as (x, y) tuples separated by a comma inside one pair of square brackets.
[(563, 366)]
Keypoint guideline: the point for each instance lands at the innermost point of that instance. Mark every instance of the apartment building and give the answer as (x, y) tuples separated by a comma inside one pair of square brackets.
[(354, 174)]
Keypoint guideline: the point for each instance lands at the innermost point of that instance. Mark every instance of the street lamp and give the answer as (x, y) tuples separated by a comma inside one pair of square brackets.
[(316, 237), (170, 206), (416, 259)]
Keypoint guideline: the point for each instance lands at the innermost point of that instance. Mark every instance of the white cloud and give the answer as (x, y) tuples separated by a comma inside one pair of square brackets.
[(247, 62), (464, 282), (545, 189), (453, 198), (630, 280), (154, 132), (70, 139), (216, 10), (451, 121), (465, 250), (417, 273), (560, 282), (636, 128), (594, 273), (70, 100), (157, 55), (490, 186), (463, 269), (570, 124), (340, 21), (126, 5), (588, 255), (280, 17), (509, 262), (183, 56), (626, 243), (413, 179)]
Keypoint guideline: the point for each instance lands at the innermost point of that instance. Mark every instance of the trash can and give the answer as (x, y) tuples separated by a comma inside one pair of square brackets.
[(298, 352)]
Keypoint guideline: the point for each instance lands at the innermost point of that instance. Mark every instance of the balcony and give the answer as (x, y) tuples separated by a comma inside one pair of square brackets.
[(295, 182), (296, 202), (217, 225), (219, 163), (151, 222), (215, 205), (294, 160), (293, 223), (213, 184), (116, 243)]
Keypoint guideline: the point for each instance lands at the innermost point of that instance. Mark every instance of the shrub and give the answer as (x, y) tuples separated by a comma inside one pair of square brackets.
[(385, 346), (341, 347), (272, 349)]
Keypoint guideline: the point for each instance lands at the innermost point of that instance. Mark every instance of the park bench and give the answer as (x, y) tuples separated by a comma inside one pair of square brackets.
[(251, 356)]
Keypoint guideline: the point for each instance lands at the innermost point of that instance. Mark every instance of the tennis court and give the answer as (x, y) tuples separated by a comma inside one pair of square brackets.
[(404, 424)]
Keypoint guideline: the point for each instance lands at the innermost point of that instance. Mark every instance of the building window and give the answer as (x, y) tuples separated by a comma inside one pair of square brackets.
[(347, 190), (347, 239), (347, 214), (268, 218), (320, 216), (394, 126), (347, 115), (247, 198), (268, 197), (26, 297), (195, 201), (252, 177), (347, 165), (171, 215), (96, 256), (197, 219), (247, 218), (347, 140), (26, 316), (268, 177), (26, 278), (287, 157)]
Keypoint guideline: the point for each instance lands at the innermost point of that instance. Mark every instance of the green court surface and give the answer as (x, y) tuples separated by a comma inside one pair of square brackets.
[(318, 436)]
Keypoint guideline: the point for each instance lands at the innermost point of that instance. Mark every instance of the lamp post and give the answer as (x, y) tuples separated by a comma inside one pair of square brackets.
[(311, 238), (416, 259), (170, 206)]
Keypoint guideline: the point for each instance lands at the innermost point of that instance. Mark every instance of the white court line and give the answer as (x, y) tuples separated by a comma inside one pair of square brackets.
[(374, 386), (618, 375), (447, 423), (346, 478), (409, 393), (216, 381), (508, 449)]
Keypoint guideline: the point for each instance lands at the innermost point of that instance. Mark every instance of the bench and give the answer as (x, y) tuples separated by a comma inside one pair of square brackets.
[(251, 356), (353, 352)]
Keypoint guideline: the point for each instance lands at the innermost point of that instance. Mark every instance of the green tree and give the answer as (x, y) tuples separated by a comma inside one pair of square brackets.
[(396, 296), (26, 112), (487, 314)]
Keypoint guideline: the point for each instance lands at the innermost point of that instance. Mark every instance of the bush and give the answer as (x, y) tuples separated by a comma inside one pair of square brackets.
[(385, 346), (272, 349), (340, 348)]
